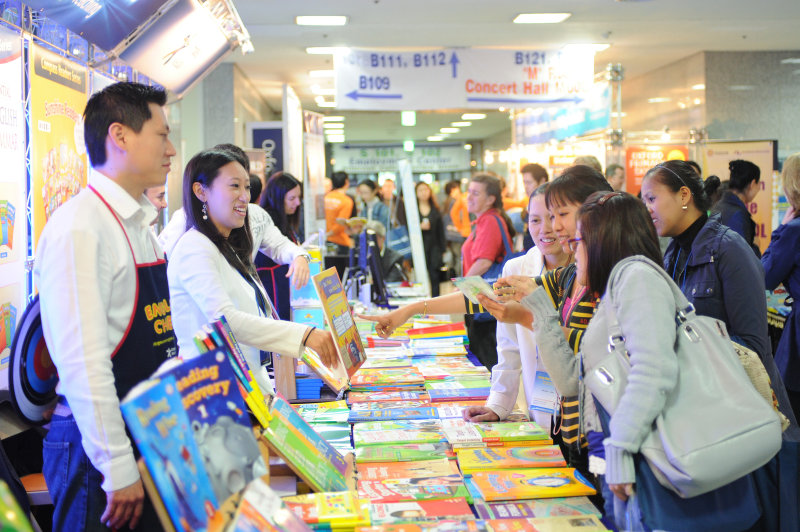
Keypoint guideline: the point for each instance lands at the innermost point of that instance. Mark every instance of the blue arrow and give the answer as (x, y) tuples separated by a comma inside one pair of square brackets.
[(515, 100), (454, 61), (355, 95)]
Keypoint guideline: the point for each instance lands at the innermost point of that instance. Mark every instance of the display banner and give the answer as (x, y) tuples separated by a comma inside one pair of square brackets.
[(13, 187), (544, 124), (314, 178), (762, 153), (462, 78), (641, 158), (374, 158), (268, 136), (58, 154)]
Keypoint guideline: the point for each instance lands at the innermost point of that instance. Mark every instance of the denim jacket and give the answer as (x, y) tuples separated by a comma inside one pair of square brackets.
[(725, 280)]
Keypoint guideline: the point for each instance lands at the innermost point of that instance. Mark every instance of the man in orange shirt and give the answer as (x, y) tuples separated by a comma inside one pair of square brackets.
[(338, 205)]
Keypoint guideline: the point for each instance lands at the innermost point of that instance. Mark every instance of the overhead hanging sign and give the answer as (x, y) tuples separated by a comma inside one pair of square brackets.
[(374, 158), (461, 78)]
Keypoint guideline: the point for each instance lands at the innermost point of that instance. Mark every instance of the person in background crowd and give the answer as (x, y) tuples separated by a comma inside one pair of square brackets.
[(211, 272), (430, 223), (455, 218), (267, 238), (282, 199), (158, 197), (459, 212), (327, 185), (588, 160), (696, 167), (338, 205), (98, 267), (391, 261), (533, 176), (516, 345), (508, 201), (388, 192), (732, 205), (615, 174), (374, 208), (255, 189), (781, 263), (711, 263)]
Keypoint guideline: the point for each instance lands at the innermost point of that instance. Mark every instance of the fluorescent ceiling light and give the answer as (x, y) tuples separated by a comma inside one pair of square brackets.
[(460, 124), (473, 116), (332, 125), (699, 87), (581, 47), (658, 99), (738, 88), (435, 138), (449, 130), (324, 91), (408, 145), (323, 20), (791, 61), (333, 118), (321, 73), (408, 118), (325, 50), (336, 140), (541, 18), (323, 103)]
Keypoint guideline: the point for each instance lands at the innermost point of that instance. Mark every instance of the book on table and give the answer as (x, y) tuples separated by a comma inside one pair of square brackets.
[(357, 416), (262, 510), (446, 525), (327, 412), (368, 397), (510, 457), (558, 506), (397, 432), (335, 510), (400, 512), (579, 523), (416, 469), (403, 453), (521, 484), (413, 489)]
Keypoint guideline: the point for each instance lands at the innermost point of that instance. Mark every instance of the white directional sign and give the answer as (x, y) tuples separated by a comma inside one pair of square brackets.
[(458, 78)]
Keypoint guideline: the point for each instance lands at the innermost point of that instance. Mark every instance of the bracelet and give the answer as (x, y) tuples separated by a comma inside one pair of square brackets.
[(305, 339), (425, 308)]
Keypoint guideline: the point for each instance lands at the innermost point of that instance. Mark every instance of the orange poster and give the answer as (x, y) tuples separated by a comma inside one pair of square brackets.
[(639, 159), (58, 154)]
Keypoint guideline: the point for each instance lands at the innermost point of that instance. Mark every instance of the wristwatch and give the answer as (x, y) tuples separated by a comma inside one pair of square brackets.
[(306, 256)]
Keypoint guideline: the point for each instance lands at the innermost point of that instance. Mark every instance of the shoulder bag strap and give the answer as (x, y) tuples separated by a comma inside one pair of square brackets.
[(503, 235)]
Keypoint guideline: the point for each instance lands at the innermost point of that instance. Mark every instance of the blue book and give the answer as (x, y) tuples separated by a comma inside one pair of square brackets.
[(219, 421), (358, 416), (161, 430), (458, 394)]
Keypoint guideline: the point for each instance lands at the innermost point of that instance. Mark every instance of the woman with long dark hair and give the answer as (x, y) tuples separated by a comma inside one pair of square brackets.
[(743, 187), (430, 223), (282, 199), (211, 272)]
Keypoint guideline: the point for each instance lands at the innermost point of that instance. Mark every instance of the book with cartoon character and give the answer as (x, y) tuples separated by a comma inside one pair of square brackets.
[(522, 484), (510, 457)]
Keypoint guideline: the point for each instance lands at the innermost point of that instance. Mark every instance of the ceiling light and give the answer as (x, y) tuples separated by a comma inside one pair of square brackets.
[(449, 130), (333, 118), (460, 124), (586, 47), (336, 140), (467, 146), (332, 125), (408, 145), (658, 99), (435, 138), (321, 73), (473, 116), (541, 18), (699, 87), (324, 103), (324, 20), (408, 118), (740, 87), (324, 91), (791, 61), (698, 101), (325, 50)]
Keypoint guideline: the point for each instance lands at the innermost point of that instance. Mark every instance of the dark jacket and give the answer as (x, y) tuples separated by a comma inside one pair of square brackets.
[(724, 280), (781, 263), (392, 265), (733, 213)]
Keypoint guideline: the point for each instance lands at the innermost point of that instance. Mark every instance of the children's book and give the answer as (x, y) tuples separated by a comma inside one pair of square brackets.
[(399, 512), (403, 453), (458, 384), (521, 484), (369, 397), (413, 489), (262, 510), (558, 506), (386, 376), (396, 362), (417, 469), (340, 320), (463, 394), (397, 432), (331, 509), (337, 434), (328, 412), (219, 421), (161, 430), (309, 455), (460, 433), (361, 407), (392, 414), (430, 526), (438, 331), (581, 523), (472, 286), (527, 431), (510, 457), (335, 378)]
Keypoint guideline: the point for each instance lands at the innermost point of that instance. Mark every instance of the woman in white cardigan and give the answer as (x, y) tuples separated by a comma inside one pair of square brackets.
[(211, 272)]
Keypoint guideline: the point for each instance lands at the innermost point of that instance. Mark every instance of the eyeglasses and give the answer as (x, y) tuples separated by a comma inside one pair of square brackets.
[(573, 244)]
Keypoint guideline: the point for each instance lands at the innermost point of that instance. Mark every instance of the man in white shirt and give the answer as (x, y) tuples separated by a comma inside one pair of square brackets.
[(100, 273)]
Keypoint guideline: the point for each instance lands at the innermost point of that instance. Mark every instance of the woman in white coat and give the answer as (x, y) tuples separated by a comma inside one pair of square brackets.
[(516, 345), (211, 272)]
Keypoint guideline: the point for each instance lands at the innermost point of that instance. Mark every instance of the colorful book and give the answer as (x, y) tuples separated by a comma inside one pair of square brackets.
[(416, 469), (307, 453), (413, 489), (458, 384), (386, 376), (510, 457), (340, 320), (162, 432), (521, 484), (369, 397), (337, 434), (403, 453), (463, 394), (582, 523), (430, 526), (330, 509), (438, 331), (328, 412), (399, 512), (526, 431), (559, 506), (395, 362), (361, 407), (425, 432), (262, 510), (220, 424), (336, 378), (392, 413)]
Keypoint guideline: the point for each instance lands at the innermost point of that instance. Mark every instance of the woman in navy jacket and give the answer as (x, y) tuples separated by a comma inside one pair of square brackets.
[(732, 206), (781, 263)]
